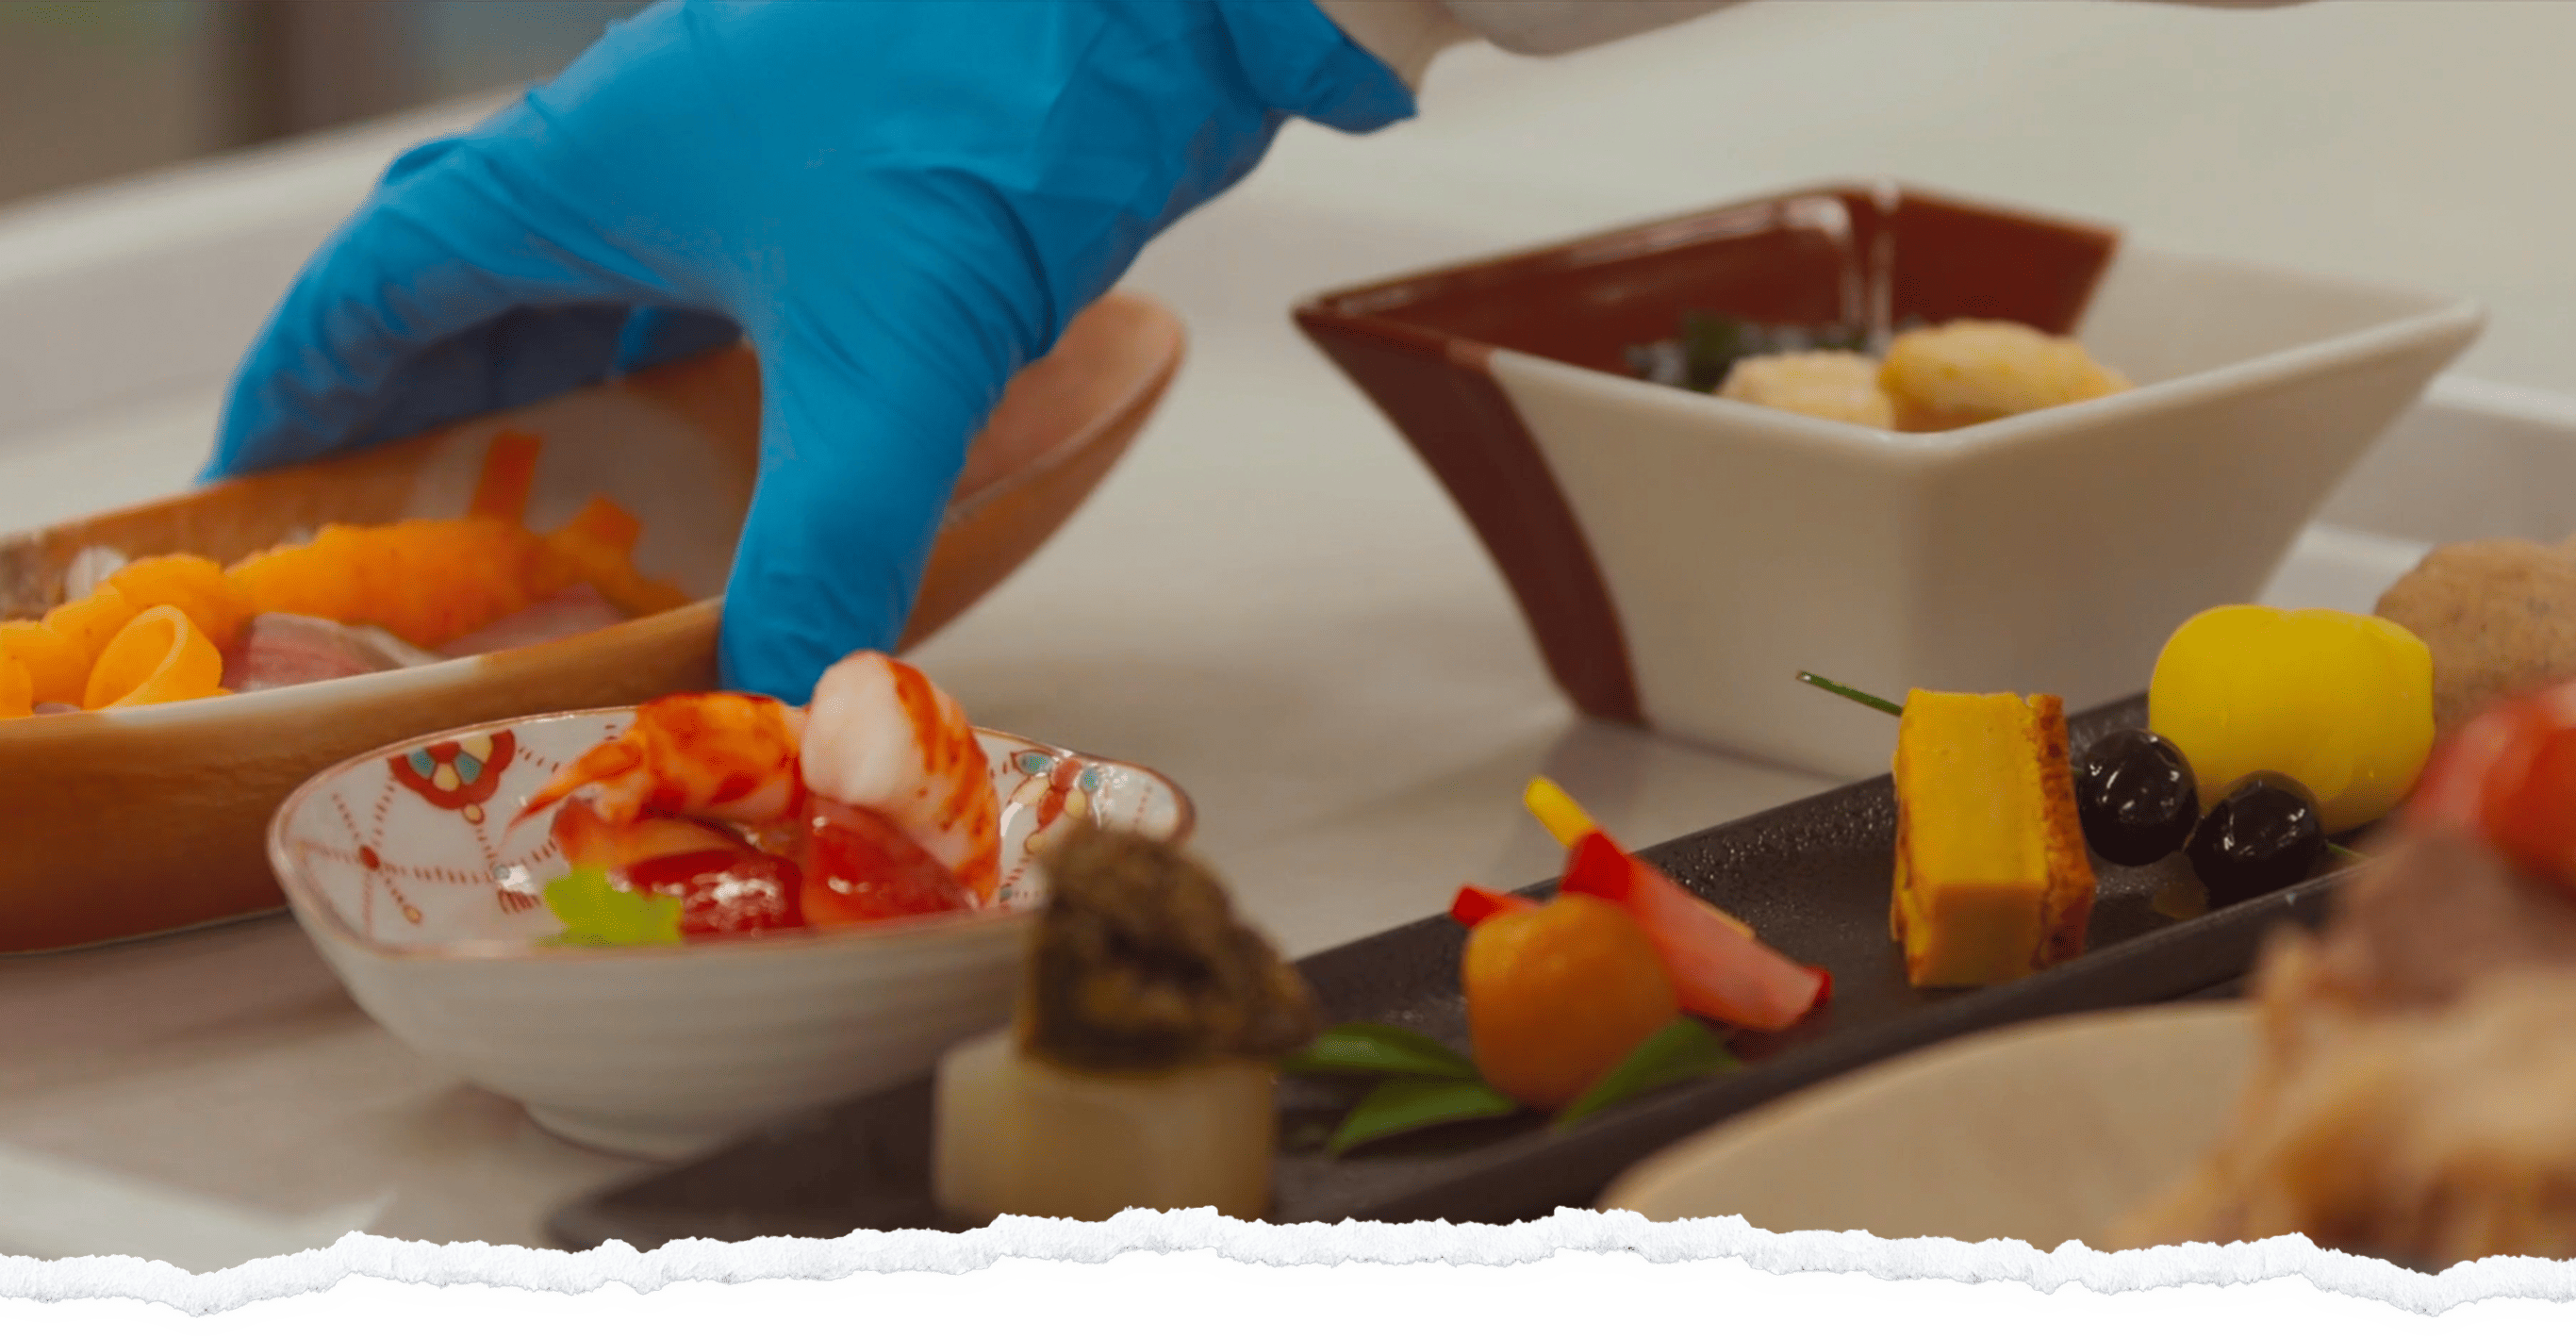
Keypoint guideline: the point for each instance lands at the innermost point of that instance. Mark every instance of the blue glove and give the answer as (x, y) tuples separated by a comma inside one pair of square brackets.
[(899, 204)]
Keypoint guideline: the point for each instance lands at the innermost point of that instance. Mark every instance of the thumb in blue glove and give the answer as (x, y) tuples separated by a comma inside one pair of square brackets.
[(899, 204)]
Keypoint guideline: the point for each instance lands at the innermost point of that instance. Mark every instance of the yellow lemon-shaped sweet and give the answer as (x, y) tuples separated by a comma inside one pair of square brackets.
[(2340, 702)]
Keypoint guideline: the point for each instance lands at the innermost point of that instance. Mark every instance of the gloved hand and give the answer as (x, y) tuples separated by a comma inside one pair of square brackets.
[(899, 204)]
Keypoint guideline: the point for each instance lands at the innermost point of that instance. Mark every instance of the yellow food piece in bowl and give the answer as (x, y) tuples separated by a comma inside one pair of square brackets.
[(56, 665), (1824, 384), (160, 656), (1969, 372), (192, 584), (17, 689)]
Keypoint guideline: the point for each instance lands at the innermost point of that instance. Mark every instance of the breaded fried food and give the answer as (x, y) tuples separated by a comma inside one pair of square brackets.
[(1823, 384), (2411, 1090), (2499, 616), (2425, 1140), (1968, 372)]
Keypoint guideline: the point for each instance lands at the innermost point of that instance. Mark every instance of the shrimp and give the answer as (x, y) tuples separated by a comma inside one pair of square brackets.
[(880, 736), (724, 755)]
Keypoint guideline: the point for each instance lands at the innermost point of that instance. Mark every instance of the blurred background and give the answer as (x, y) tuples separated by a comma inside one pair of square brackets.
[(123, 86)]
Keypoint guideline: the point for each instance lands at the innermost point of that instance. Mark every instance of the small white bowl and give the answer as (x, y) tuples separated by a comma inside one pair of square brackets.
[(400, 865)]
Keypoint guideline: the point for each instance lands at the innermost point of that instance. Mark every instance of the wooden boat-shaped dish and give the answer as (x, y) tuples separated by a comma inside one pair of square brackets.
[(125, 823)]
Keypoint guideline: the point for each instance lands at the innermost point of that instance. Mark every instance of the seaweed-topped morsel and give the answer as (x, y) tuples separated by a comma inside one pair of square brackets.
[(1711, 344), (1140, 963), (1142, 1070)]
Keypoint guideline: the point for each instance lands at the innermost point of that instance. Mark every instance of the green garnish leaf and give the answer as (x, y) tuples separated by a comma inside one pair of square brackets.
[(597, 912), (1711, 344), (1680, 1052), (1402, 1105), (1373, 1048), (1846, 690)]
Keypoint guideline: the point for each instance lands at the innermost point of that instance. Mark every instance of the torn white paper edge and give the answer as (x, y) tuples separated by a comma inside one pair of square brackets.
[(1578, 1230), (57, 1208)]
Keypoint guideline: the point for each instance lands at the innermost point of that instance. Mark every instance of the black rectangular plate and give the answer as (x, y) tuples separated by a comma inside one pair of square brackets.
[(1814, 876)]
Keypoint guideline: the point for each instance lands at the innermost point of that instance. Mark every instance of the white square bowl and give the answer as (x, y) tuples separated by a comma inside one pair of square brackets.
[(1726, 546)]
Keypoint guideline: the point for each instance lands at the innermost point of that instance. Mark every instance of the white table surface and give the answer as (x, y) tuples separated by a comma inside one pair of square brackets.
[(1271, 599)]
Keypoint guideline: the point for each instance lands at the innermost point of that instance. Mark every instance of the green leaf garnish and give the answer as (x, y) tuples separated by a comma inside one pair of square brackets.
[(1376, 1049), (1678, 1053), (1402, 1105), (1712, 343), (1427, 1083), (1846, 690), (598, 913)]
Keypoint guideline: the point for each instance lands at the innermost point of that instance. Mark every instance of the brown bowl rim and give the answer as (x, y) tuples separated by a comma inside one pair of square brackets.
[(1328, 305), (1152, 382)]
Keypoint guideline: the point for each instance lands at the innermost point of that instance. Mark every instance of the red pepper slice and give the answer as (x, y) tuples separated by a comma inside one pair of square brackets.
[(1718, 971), (1475, 905)]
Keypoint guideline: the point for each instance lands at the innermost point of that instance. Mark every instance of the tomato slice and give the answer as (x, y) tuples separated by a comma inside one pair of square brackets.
[(2530, 808), (859, 868), (2509, 777), (724, 892)]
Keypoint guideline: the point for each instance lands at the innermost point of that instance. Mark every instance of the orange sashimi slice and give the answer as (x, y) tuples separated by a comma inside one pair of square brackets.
[(17, 690), (194, 585), (430, 582), (462, 575), (56, 668), (602, 521), (296, 579), (367, 560), (426, 581), (90, 622), (411, 580), (160, 657), (509, 476), (599, 542)]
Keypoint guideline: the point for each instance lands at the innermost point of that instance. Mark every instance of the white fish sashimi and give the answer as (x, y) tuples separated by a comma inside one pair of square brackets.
[(569, 613), (283, 649)]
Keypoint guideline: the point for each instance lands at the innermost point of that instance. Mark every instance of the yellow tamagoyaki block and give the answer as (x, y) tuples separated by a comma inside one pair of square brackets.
[(1992, 878)]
